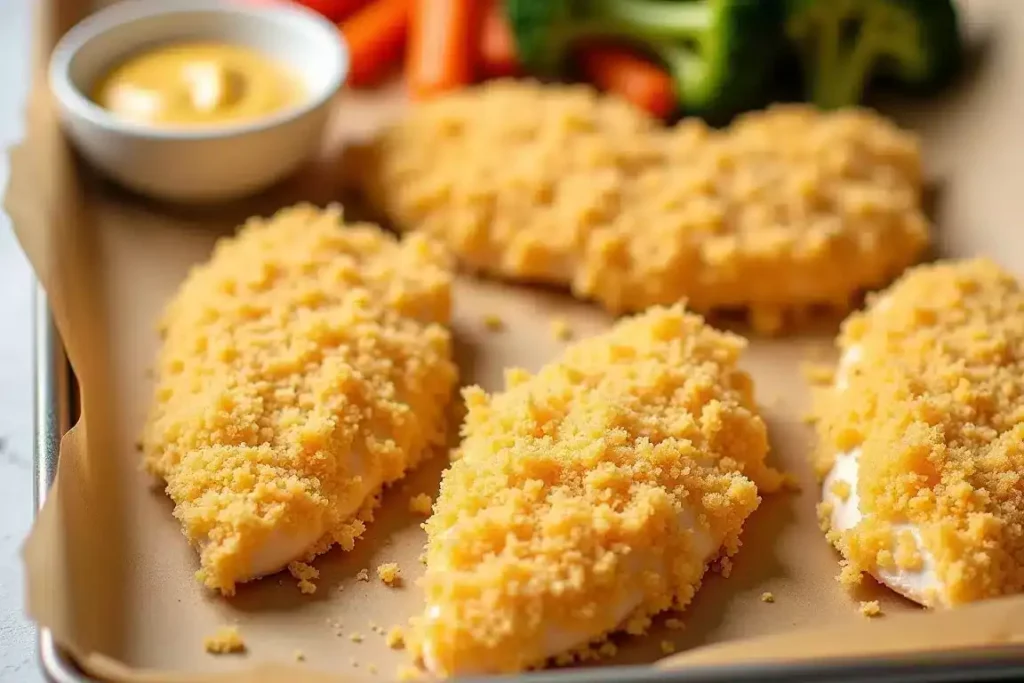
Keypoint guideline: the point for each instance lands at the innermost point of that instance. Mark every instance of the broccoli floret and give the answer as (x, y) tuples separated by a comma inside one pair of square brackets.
[(844, 45), (720, 53)]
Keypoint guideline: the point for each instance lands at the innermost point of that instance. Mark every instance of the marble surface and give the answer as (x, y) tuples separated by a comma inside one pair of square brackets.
[(17, 636)]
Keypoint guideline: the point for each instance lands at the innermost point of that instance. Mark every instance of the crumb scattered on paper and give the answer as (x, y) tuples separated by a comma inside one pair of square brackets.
[(494, 323), (818, 373), (363, 575), (667, 647), (408, 673), (790, 483), (560, 329), (395, 638), (421, 504), (372, 669), (306, 575), (767, 597), (870, 608), (390, 573), (300, 656), (356, 637), (227, 640), (674, 624)]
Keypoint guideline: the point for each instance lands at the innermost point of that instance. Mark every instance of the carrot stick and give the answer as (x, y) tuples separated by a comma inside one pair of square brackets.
[(621, 71), (442, 46), (335, 10), (498, 56), (376, 36)]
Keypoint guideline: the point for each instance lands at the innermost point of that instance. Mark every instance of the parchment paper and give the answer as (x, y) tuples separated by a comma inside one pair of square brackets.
[(110, 574)]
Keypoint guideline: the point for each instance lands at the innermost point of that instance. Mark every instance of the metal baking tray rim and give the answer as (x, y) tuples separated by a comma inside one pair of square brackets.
[(54, 396)]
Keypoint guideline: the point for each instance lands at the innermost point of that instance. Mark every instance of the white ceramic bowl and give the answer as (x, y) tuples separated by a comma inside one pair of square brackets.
[(198, 164)]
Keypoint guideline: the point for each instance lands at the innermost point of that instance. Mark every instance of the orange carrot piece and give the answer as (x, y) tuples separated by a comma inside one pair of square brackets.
[(376, 36), (498, 57), (442, 46), (621, 71), (335, 10)]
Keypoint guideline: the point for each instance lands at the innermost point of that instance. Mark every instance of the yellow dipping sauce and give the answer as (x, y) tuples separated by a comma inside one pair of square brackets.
[(187, 84)]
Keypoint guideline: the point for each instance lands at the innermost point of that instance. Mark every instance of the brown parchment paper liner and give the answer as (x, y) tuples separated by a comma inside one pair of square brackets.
[(110, 574)]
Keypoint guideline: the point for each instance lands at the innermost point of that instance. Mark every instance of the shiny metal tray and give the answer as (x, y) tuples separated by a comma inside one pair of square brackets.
[(56, 410)]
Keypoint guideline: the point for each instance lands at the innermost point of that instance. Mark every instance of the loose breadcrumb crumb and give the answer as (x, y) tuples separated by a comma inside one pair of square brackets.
[(870, 608), (363, 575), (300, 656), (305, 574), (390, 573), (408, 673), (560, 329), (675, 624), (227, 640), (725, 567), (353, 662), (421, 504), (791, 483), (494, 323), (767, 597), (568, 470), (372, 669), (395, 638), (356, 637), (818, 373), (303, 349), (667, 647)]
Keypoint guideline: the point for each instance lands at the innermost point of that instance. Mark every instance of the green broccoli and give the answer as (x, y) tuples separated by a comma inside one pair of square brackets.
[(720, 53), (846, 44)]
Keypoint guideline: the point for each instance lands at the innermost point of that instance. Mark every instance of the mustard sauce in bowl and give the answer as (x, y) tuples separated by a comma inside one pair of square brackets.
[(198, 83), (198, 101)]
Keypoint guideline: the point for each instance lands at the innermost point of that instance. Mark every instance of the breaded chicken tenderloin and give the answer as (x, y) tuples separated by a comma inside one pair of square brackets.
[(306, 365), (922, 437), (787, 209), (590, 496)]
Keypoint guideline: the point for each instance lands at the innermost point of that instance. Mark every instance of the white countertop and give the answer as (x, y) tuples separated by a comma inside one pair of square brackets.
[(17, 636)]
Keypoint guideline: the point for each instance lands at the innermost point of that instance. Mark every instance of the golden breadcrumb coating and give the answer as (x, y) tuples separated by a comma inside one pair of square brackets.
[(935, 405), (304, 366), (227, 640), (591, 495), (389, 573), (421, 504), (787, 209)]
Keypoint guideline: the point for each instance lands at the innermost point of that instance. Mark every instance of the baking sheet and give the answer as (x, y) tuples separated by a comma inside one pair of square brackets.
[(110, 574)]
